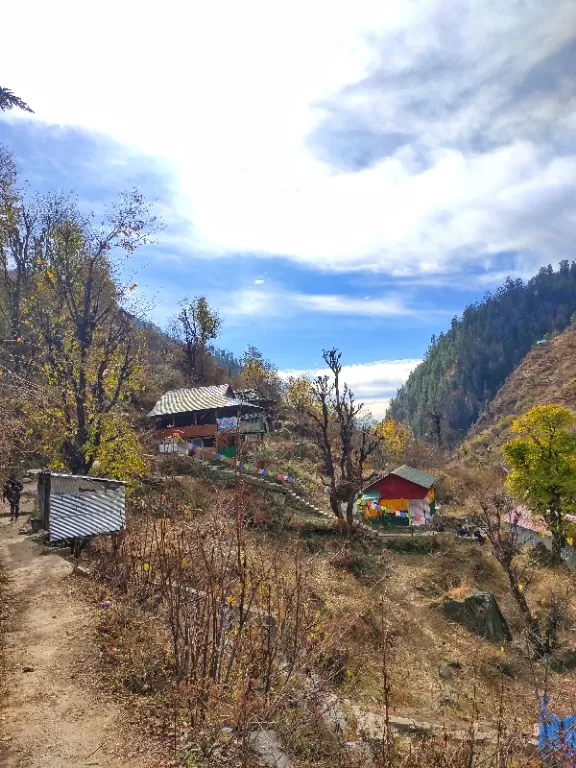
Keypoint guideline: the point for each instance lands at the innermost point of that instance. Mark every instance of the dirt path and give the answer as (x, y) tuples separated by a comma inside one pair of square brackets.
[(52, 716)]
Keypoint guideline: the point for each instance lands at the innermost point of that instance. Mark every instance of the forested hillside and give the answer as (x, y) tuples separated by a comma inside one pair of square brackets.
[(464, 367), (546, 375)]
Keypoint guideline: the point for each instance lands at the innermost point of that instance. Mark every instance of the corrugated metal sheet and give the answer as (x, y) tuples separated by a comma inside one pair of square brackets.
[(198, 399), (414, 476), (85, 506), (76, 484)]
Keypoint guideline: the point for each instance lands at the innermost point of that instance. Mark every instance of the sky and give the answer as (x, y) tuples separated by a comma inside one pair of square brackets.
[(329, 173)]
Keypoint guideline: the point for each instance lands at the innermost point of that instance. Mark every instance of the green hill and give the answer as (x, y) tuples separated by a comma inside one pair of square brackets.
[(465, 367), (546, 375)]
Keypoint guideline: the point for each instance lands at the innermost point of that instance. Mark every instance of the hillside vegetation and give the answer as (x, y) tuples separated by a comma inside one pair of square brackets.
[(546, 375), (465, 367)]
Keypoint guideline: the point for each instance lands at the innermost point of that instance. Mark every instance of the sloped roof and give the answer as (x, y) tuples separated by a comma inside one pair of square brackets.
[(197, 399), (415, 476), (524, 518)]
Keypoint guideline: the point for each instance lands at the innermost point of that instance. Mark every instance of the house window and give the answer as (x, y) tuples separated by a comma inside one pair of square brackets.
[(184, 419), (206, 418)]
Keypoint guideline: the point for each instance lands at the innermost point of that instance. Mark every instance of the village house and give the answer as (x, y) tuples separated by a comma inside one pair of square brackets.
[(206, 417), (531, 530), (402, 497)]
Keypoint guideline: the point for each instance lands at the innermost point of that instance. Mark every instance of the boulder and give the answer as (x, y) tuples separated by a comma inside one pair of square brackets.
[(266, 745), (446, 673), (479, 613)]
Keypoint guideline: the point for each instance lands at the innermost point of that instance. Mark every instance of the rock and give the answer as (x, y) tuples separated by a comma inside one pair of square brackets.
[(333, 714), (448, 701), (455, 665), (265, 744), (82, 570), (480, 614), (27, 669), (446, 673), (360, 750)]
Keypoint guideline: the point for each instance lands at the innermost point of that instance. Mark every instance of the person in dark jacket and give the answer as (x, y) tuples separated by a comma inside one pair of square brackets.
[(11, 493)]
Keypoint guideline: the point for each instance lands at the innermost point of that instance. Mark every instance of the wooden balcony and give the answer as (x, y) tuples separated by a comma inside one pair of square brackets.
[(186, 433), (208, 430)]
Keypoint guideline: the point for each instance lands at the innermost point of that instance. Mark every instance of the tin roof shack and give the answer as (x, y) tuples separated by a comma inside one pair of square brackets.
[(74, 507), (402, 497), (205, 417)]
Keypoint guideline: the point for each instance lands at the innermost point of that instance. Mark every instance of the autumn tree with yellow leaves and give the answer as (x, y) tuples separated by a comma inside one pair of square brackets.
[(259, 374), (194, 327), (396, 437), (68, 323), (78, 319), (543, 462)]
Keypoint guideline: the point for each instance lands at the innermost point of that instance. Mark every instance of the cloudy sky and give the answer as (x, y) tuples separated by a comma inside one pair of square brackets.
[(330, 173)]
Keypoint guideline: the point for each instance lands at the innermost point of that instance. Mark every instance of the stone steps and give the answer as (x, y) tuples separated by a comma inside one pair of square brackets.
[(222, 470)]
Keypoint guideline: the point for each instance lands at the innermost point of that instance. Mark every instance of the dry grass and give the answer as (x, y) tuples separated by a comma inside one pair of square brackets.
[(349, 587)]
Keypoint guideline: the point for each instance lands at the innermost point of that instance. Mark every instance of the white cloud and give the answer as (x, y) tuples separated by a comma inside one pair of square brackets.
[(374, 384), (259, 281), (278, 302), (228, 95), (342, 305)]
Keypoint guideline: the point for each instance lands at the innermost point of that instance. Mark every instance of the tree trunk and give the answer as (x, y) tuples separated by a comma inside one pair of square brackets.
[(350, 512), (557, 530), (335, 505), (532, 625), (557, 544), (73, 457)]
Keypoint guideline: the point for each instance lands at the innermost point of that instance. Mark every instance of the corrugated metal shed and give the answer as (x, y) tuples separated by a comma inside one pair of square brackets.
[(414, 476), (198, 399), (74, 506)]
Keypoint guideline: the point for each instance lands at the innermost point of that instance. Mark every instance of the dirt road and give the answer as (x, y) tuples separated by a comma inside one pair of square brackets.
[(51, 715)]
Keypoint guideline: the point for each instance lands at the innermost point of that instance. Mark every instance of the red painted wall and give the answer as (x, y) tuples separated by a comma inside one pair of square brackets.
[(394, 487)]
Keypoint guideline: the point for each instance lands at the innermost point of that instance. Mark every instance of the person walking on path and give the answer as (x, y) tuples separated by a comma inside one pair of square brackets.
[(11, 492)]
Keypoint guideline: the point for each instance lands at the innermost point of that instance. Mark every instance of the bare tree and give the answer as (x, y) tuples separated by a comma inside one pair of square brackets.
[(496, 520), (346, 440)]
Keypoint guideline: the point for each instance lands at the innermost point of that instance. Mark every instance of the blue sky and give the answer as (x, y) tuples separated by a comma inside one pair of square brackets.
[(330, 173)]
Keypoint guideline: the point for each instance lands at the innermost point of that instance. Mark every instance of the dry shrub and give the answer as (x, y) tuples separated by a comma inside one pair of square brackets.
[(238, 631), (458, 483), (460, 592), (219, 625)]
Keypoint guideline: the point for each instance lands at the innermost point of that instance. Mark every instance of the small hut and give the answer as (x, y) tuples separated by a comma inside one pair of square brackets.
[(74, 507), (402, 497)]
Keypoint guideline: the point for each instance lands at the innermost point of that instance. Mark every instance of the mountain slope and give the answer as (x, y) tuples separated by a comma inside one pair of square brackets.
[(546, 375), (465, 367)]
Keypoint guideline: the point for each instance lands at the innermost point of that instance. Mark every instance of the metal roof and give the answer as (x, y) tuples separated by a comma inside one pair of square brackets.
[(76, 477), (198, 399), (415, 476)]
